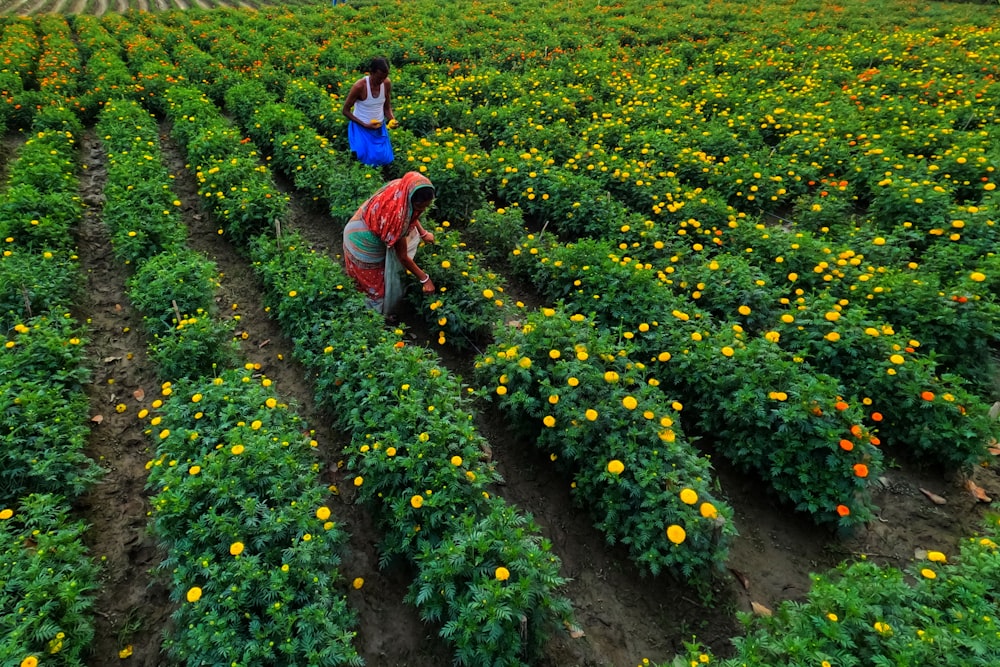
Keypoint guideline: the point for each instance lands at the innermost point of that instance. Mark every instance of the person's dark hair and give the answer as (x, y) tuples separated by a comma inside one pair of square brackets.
[(421, 195), (379, 64)]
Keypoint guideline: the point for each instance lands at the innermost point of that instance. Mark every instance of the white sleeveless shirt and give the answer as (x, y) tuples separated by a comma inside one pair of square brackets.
[(372, 108)]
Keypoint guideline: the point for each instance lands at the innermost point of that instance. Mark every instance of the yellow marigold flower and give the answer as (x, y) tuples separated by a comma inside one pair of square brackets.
[(237, 449), (236, 548), (456, 460), (502, 574), (323, 513), (194, 594), (744, 310), (708, 511), (525, 362), (696, 336), (591, 414), (630, 403), (882, 628), (488, 293), (643, 327), (676, 534), (728, 351), (125, 652), (194, 470), (936, 557), (573, 382), (271, 402), (553, 398), (663, 356), (359, 480), (501, 390), (554, 354), (897, 359), (977, 276), (616, 467), (358, 583), (610, 376), (6, 513), (668, 435), (424, 437), (417, 501), (777, 396), (390, 451), (548, 312), (30, 661), (689, 496), (307, 537), (549, 421), (196, 398), (929, 573), (833, 336), (832, 316), (164, 434), (833, 617)]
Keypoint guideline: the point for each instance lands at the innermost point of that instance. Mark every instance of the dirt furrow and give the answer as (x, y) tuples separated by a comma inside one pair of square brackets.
[(132, 608)]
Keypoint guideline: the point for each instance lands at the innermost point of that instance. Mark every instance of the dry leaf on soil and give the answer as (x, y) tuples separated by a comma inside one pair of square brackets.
[(139, 394), (977, 491), (97, 419), (760, 609), (742, 578), (574, 631), (935, 498)]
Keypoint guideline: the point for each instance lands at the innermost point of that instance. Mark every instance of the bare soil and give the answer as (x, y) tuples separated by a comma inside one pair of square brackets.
[(625, 616)]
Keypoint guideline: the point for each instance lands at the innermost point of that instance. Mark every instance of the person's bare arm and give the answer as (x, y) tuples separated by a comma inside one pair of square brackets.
[(387, 105), (404, 258)]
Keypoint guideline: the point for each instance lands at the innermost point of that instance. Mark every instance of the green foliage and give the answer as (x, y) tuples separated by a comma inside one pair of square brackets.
[(240, 507), (937, 611), (47, 591), (171, 284), (579, 395), (44, 423)]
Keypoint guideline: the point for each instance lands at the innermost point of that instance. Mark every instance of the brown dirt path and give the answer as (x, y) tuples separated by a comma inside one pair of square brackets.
[(132, 608)]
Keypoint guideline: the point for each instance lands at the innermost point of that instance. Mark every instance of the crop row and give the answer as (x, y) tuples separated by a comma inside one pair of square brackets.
[(49, 582)]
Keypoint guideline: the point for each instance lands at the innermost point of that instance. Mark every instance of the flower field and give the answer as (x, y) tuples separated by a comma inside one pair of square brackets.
[(714, 282)]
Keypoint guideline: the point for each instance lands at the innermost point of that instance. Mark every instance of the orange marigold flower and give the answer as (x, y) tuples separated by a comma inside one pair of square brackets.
[(877, 416), (860, 469), (843, 510), (927, 395), (846, 445), (840, 405)]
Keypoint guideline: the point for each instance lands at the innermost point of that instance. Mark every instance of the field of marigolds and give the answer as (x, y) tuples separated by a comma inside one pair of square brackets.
[(710, 376)]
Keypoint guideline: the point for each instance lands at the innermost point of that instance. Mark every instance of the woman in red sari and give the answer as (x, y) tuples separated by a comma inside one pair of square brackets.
[(381, 239)]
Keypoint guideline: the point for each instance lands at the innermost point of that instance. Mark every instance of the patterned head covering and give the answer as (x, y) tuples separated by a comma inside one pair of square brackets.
[(387, 213)]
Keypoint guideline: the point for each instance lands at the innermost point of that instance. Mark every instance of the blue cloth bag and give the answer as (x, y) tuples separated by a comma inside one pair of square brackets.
[(372, 146)]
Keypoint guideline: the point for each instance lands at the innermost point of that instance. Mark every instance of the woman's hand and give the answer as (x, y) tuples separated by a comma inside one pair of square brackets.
[(427, 237), (374, 123), (428, 287)]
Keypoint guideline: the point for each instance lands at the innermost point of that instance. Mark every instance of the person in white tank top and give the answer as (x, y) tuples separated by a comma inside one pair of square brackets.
[(368, 108)]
